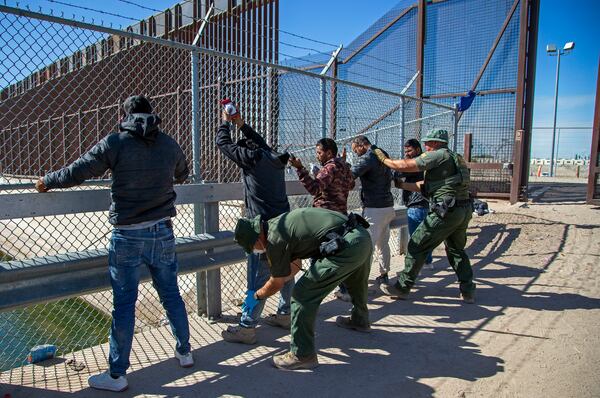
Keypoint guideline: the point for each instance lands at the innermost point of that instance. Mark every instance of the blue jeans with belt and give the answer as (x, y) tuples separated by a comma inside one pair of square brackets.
[(259, 273), (415, 216), (128, 250)]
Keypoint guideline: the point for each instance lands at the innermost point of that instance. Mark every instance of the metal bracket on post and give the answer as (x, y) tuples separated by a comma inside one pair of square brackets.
[(334, 56), (201, 277), (410, 83)]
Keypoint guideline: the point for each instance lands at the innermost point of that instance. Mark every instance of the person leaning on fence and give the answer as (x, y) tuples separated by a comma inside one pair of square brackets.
[(343, 248), (417, 206), (263, 179), (144, 163), (446, 184), (377, 199), (330, 186)]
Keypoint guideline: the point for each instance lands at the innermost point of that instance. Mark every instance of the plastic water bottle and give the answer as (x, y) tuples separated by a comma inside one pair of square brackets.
[(229, 107), (41, 353)]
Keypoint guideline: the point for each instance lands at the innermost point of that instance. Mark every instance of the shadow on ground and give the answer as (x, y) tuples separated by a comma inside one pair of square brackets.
[(423, 338)]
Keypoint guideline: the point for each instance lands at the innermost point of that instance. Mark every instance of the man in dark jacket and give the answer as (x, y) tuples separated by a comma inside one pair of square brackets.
[(417, 206), (377, 199), (144, 163), (264, 194), (330, 187)]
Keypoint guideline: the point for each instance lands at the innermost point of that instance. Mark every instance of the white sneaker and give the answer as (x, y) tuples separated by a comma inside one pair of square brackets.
[(104, 381), (185, 361)]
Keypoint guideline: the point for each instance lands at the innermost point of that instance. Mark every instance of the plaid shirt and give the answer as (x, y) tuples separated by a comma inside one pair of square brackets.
[(331, 185)]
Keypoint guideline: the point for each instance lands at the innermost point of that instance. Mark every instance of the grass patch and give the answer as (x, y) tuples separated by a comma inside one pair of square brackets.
[(71, 324), (4, 256)]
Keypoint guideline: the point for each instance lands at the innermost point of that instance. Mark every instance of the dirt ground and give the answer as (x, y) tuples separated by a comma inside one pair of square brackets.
[(534, 331)]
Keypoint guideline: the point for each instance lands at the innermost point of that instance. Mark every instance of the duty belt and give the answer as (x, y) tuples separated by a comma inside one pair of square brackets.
[(332, 242)]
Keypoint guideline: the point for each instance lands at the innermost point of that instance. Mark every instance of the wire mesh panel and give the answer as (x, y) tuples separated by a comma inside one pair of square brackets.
[(61, 90)]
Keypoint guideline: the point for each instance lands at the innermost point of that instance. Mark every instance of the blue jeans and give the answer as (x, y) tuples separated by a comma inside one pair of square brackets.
[(128, 250), (259, 273), (416, 215)]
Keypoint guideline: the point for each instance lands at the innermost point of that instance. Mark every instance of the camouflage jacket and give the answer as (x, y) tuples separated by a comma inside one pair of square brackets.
[(330, 186)]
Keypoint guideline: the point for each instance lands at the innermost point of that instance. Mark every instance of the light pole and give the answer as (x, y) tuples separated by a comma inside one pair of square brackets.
[(553, 51)]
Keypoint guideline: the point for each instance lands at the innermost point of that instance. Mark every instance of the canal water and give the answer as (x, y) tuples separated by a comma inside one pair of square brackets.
[(70, 324)]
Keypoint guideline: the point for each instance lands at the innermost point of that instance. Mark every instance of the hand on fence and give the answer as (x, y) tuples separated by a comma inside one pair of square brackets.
[(40, 186), (295, 162), (250, 301), (344, 154), (380, 155)]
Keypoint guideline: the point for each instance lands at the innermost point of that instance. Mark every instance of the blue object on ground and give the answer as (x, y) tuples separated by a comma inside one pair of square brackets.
[(41, 353)]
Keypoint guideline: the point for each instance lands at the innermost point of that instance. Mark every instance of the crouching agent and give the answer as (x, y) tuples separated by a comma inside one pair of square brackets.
[(343, 248)]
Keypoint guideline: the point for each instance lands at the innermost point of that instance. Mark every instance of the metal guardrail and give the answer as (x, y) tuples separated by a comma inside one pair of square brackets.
[(40, 280), (36, 280)]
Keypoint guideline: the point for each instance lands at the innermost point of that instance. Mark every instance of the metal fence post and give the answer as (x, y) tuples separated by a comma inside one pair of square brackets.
[(213, 278), (199, 208), (268, 89), (323, 83), (402, 126), (455, 129), (196, 177), (323, 108)]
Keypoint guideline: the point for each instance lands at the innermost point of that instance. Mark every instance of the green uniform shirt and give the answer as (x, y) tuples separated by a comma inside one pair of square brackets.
[(439, 165), (298, 234)]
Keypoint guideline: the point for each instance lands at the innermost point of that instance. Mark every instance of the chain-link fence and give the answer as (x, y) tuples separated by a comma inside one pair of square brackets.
[(61, 86)]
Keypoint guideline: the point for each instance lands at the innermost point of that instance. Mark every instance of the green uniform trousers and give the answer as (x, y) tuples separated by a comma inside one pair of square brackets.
[(350, 265), (452, 230)]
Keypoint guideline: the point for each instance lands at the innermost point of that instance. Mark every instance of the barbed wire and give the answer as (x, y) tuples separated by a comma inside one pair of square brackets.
[(437, 83)]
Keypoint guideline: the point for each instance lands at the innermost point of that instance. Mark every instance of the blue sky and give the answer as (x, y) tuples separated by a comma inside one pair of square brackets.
[(341, 21)]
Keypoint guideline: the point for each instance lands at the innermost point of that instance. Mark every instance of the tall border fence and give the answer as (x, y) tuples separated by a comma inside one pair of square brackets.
[(439, 50), (62, 114)]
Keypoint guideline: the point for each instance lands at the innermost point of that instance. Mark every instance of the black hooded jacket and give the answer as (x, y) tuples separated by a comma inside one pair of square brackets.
[(263, 171), (144, 163)]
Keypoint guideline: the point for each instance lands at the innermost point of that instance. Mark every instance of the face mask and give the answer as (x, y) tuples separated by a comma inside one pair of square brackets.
[(258, 251)]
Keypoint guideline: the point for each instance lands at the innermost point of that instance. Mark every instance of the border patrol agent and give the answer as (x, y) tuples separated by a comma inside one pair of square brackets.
[(446, 184), (343, 248)]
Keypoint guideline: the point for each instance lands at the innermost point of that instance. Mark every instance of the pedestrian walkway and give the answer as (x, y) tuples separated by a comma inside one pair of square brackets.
[(532, 333)]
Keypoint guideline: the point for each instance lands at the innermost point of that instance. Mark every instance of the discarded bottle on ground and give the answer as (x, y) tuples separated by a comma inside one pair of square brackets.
[(41, 353)]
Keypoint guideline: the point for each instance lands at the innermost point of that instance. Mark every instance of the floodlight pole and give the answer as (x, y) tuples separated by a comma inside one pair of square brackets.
[(552, 157)]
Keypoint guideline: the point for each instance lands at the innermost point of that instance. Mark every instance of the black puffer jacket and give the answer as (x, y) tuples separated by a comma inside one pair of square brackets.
[(144, 163)]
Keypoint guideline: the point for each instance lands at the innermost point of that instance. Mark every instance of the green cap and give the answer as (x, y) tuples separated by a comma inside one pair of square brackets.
[(246, 232), (439, 135)]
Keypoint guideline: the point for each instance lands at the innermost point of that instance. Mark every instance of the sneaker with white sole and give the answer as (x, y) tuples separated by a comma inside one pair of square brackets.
[(185, 360), (290, 361), (279, 320), (238, 334), (104, 381)]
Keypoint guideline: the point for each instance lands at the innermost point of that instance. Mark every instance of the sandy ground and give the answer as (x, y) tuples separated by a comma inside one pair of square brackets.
[(534, 332)]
